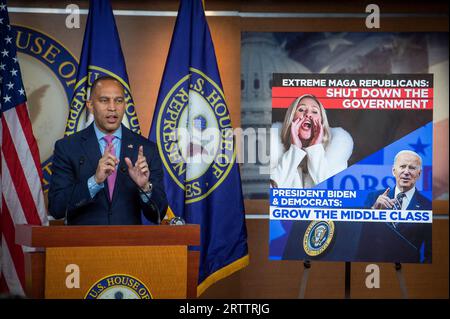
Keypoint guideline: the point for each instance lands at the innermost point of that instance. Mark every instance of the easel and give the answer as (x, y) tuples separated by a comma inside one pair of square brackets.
[(401, 280), (304, 281), (348, 271)]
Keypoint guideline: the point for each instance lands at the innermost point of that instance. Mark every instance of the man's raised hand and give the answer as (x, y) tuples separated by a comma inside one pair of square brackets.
[(140, 172), (106, 165), (383, 201)]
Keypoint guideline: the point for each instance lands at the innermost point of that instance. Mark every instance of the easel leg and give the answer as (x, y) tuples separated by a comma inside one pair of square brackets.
[(401, 280), (304, 282), (348, 272)]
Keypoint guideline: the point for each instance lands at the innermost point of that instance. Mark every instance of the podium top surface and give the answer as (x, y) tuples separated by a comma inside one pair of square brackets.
[(136, 235)]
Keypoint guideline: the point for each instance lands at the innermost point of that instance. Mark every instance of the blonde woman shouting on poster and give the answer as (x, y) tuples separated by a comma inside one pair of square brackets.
[(311, 151)]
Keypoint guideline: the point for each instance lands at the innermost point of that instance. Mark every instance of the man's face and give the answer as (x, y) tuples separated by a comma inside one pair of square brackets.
[(406, 171), (107, 104)]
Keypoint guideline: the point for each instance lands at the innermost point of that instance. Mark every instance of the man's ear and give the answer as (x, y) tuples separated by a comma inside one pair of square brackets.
[(89, 106)]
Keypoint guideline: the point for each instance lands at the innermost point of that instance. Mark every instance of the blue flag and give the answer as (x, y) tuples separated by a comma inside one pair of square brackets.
[(101, 55), (192, 128)]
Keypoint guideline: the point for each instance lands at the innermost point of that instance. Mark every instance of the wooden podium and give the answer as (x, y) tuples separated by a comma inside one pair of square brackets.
[(110, 261)]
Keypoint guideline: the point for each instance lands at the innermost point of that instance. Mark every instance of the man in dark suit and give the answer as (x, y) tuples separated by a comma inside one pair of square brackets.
[(94, 180), (407, 169)]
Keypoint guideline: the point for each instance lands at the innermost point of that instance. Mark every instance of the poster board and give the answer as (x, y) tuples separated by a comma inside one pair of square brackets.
[(333, 189)]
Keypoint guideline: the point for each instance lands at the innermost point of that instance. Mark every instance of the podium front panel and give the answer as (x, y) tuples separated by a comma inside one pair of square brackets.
[(116, 272)]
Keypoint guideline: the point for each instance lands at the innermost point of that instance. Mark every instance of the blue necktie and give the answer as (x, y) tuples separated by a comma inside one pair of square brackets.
[(398, 204), (399, 201)]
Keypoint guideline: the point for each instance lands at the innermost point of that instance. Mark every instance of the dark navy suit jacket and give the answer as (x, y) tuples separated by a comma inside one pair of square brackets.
[(407, 242), (75, 160)]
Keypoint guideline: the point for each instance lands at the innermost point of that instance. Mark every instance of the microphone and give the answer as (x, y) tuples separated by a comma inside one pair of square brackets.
[(176, 221), (80, 162), (155, 207)]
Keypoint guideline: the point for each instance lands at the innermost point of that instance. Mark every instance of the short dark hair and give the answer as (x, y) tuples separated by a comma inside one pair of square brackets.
[(103, 78)]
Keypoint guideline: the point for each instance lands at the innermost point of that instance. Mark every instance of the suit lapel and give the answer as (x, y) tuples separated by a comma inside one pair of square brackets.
[(414, 204), (90, 146), (92, 151)]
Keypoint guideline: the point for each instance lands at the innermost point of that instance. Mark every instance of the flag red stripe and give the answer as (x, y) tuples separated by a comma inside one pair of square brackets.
[(3, 286), (24, 119), (15, 250), (21, 178), (18, 177)]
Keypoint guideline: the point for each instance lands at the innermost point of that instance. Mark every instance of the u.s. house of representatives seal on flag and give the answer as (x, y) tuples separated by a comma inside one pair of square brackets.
[(101, 55), (195, 134)]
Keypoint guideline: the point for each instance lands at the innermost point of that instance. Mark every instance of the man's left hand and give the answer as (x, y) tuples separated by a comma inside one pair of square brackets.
[(139, 173)]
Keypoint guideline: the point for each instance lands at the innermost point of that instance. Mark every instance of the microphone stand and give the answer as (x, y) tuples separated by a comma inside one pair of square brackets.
[(141, 191)]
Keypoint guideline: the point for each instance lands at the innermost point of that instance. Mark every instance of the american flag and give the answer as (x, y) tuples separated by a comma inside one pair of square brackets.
[(22, 200)]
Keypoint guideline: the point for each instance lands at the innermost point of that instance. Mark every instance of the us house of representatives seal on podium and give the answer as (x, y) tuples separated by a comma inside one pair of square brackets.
[(118, 286)]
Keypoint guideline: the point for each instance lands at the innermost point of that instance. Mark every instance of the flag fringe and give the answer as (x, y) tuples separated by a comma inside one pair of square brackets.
[(222, 273), (169, 213)]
